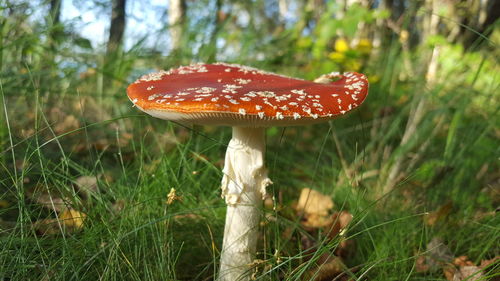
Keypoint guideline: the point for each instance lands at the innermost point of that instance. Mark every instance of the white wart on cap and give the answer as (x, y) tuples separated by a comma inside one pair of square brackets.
[(235, 95)]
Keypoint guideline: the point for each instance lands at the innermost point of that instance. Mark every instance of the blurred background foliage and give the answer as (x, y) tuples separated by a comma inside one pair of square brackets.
[(426, 140)]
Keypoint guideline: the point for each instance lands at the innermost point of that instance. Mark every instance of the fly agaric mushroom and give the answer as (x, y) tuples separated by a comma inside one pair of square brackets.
[(248, 100)]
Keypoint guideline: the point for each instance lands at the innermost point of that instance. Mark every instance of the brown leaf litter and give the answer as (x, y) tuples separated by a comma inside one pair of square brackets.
[(439, 257), (317, 216)]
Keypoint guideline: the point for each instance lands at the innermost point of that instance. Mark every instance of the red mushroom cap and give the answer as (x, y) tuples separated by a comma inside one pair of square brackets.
[(235, 95)]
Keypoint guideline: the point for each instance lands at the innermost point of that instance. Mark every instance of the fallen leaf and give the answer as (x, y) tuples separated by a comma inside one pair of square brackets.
[(326, 269), (187, 216), (454, 269), (314, 208), (72, 218), (469, 273), (26, 133), (308, 245), (462, 261), (124, 139), (50, 202), (47, 227), (345, 248), (68, 124), (86, 184), (102, 144), (345, 219), (439, 251), (433, 217), (338, 222), (450, 272), (421, 264), (315, 221), (172, 196), (437, 255), (486, 263), (314, 202)]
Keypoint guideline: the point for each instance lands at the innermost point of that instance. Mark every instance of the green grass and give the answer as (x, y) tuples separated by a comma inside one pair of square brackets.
[(58, 124), (145, 240)]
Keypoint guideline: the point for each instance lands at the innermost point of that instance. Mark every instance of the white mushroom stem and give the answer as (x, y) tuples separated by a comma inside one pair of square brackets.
[(243, 187)]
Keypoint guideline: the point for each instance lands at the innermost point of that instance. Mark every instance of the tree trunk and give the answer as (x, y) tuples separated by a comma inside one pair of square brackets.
[(381, 32), (431, 20), (55, 11), (283, 9), (219, 21), (492, 14), (488, 13), (117, 26), (55, 33), (53, 21), (176, 18)]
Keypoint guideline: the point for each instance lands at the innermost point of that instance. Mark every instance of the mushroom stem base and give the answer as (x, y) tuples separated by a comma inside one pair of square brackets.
[(243, 186)]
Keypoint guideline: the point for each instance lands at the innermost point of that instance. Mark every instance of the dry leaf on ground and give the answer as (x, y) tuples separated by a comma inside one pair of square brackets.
[(53, 203), (339, 222), (47, 227), (314, 202), (47, 200), (467, 270), (315, 221), (172, 196), (72, 218), (421, 264), (187, 217), (486, 263), (449, 272), (68, 124), (86, 184), (327, 267), (124, 139), (433, 217), (469, 273), (68, 220), (437, 254), (315, 207), (462, 261)]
